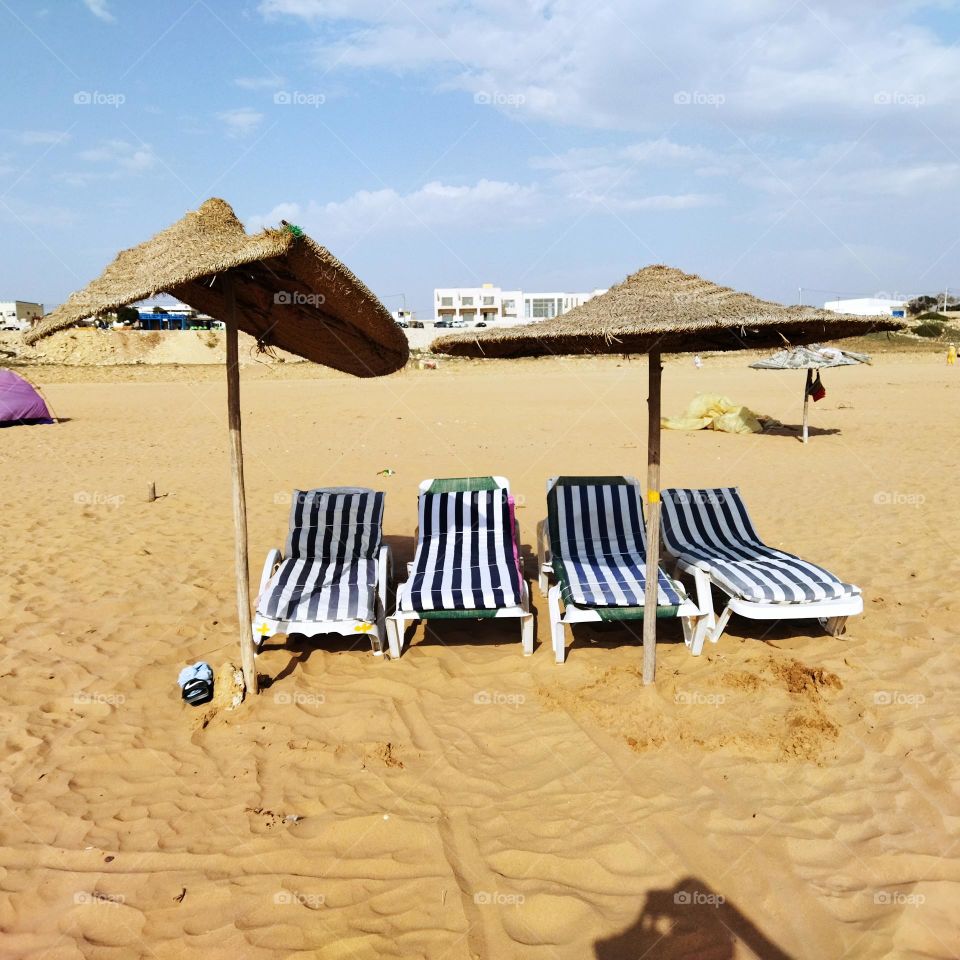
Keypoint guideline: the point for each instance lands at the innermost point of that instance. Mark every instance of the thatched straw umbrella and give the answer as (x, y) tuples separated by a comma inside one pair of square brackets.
[(278, 286), (810, 358), (662, 310)]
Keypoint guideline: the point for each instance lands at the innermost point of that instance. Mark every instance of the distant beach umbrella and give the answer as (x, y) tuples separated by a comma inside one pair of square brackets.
[(658, 310), (810, 358), (278, 286)]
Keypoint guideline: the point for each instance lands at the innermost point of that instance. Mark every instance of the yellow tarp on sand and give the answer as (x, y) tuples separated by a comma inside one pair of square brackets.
[(709, 411)]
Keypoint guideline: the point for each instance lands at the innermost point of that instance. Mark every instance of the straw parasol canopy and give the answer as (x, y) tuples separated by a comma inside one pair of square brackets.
[(291, 293), (810, 358), (277, 285), (665, 309), (658, 310)]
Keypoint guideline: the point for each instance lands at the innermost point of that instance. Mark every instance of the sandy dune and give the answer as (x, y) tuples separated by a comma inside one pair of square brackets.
[(785, 795)]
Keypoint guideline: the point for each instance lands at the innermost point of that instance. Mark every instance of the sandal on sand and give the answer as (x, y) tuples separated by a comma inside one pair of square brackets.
[(196, 683)]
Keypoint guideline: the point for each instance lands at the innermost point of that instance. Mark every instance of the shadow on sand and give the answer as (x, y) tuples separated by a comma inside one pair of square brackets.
[(688, 922), (789, 430)]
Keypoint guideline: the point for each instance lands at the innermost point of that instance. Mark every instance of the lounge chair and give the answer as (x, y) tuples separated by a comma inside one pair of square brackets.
[(709, 535), (467, 561), (336, 570), (593, 543)]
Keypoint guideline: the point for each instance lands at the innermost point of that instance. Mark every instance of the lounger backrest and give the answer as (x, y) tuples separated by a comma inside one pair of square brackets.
[(713, 522), (598, 543), (595, 516), (335, 524), (468, 544)]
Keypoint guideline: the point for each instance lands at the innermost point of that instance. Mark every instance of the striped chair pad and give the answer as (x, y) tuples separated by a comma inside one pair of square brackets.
[(466, 554), (306, 589), (713, 526), (598, 544), (335, 524)]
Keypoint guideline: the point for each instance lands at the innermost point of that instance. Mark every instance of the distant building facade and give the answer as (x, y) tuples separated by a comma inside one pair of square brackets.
[(494, 306), (868, 307), (19, 314)]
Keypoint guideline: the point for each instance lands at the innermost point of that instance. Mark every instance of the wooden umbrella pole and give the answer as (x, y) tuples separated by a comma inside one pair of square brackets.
[(806, 402), (653, 520), (239, 492)]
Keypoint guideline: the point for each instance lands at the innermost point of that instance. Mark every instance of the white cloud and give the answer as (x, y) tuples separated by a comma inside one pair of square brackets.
[(433, 205), (121, 155), (647, 152), (32, 138), (634, 66), (318, 9), (240, 122), (268, 82), (665, 201), (99, 9), (111, 160)]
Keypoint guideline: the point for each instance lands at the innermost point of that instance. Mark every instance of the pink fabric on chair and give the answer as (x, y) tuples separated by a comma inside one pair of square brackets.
[(516, 546)]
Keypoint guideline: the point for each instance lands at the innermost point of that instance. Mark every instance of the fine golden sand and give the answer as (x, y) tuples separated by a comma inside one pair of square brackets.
[(787, 794)]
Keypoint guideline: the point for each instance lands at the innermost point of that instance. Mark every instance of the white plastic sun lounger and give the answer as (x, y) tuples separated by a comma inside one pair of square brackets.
[(334, 576), (593, 543), (709, 535), (467, 561)]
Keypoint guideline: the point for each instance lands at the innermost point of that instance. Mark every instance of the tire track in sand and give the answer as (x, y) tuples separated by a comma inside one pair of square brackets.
[(486, 935)]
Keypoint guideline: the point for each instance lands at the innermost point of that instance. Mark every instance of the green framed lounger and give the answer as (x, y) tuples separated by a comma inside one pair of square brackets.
[(335, 574), (467, 560), (709, 535), (593, 544)]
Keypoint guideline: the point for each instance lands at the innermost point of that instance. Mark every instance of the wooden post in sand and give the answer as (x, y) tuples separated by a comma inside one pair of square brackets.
[(806, 402), (239, 492), (653, 520)]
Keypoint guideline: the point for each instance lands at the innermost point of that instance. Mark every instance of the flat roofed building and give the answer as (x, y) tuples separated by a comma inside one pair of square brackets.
[(868, 307), (492, 305), (19, 314)]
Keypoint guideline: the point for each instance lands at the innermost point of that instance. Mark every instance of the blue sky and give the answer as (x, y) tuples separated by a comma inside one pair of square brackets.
[(550, 144)]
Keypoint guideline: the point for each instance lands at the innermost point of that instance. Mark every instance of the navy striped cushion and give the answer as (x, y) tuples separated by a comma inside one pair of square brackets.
[(305, 589), (332, 524), (713, 526), (330, 570), (598, 543), (465, 554)]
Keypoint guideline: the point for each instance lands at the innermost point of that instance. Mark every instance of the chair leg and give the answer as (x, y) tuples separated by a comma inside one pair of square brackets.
[(835, 626), (378, 633), (714, 633), (708, 626), (695, 633), (395, 629), (526, 633), (557, 639), (543, 581)]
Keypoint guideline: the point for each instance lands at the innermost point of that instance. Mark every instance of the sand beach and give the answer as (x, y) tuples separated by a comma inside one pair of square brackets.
[(787, 794)]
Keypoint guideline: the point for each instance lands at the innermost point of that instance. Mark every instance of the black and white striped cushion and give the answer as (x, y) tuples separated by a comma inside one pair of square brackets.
[(330, 570), (310, 589), (465, 558), (598, 544), (330, 524), (713, 526)]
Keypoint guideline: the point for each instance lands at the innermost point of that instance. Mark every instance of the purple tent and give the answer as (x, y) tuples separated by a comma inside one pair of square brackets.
[(20, 402)]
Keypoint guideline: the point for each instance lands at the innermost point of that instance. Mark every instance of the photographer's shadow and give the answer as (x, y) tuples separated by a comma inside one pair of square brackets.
[(688, 922)]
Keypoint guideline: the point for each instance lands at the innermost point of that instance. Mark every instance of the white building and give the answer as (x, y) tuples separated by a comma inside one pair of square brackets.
[(493, 306), (19, 314), (868, 307)]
